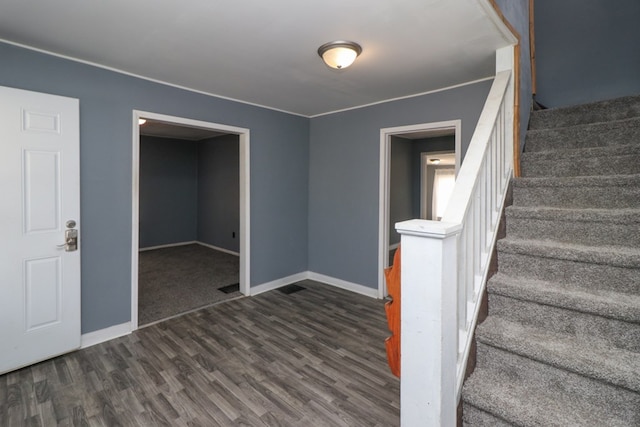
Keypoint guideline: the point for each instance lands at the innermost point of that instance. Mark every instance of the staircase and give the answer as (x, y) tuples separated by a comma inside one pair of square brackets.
[(561, 344)]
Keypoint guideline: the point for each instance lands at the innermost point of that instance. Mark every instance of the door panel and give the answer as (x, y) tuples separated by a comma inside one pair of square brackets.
[(43, 287), (41, 180), (40, 188)]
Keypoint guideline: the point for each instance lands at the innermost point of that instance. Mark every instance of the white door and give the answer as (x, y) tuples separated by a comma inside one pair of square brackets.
[(39, 195)]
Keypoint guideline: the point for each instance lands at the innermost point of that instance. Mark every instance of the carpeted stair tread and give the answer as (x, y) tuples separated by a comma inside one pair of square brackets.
[(595, 112), (614, 366), (593, 329), (518, 403), (574, 274), (603, 134), (597, 227), (618, 256), (612, 165), (474, 417), (576, 153), (610, 191), (620, 160), (579, 181), (602, 302), (539, 376), (616, 216)]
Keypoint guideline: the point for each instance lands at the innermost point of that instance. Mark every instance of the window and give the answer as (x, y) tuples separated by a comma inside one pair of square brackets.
[(443, 183)]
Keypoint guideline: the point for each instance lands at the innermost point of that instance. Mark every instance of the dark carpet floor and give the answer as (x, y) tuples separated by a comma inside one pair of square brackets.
[(175, 280)]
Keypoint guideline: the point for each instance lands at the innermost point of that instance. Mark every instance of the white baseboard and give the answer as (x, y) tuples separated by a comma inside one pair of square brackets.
[(278, 283), (193, 242), (106, 334), (328, 280), (217, 248), (343, 284), (170, 245)]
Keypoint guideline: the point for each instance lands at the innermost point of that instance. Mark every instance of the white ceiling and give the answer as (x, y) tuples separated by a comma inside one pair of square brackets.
[(265, 52)]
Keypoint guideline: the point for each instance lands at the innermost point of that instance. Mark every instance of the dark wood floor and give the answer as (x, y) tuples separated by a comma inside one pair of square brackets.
[(311, 358)]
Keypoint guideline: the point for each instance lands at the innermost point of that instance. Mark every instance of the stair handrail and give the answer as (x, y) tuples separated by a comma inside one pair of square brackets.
[(445, 265)]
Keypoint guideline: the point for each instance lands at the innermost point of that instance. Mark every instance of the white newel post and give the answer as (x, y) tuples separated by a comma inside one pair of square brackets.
[(428, 322)]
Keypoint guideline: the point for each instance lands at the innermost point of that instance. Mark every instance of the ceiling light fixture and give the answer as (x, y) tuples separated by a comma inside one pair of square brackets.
[(142, 121), (435, 161), (339, 54)]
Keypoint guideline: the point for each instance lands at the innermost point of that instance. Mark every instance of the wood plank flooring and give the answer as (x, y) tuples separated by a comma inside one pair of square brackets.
[(312, 358)]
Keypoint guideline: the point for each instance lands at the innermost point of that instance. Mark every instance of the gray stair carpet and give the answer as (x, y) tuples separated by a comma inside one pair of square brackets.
[(561, 343)]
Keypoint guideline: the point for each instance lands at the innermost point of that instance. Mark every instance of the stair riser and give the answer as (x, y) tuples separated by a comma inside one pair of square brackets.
[(589, 166), (591, 329), (576, 232), (475, 417), (540, 375), (595, 135), (574, 274), (617, 109), (612, 197)]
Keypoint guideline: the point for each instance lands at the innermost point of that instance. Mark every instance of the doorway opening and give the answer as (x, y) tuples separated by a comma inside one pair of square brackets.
[(437, 177), (171, 143), (408, 158)]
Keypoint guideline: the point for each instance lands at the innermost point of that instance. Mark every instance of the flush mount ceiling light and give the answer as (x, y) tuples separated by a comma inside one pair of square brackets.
[(339, 54), (435, 161), (142, 121)]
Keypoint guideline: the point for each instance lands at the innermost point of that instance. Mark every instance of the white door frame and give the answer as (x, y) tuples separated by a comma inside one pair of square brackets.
[(245, 211), (384, 191)]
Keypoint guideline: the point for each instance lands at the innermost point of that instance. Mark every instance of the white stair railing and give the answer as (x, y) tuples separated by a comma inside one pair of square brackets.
[(445, 266)]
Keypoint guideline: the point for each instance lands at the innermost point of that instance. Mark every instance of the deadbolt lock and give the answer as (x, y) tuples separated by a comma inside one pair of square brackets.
[(70, 240)]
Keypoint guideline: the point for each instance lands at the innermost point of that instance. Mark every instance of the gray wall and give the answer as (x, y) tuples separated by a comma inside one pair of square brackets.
[(279, 172), (517, 13), (400, 185), (314, 182), (586, 50), (219, 192), (344, 174), (168, 191)]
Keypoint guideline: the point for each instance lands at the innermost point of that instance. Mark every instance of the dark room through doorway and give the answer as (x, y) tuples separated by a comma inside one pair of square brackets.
[(189, 219)]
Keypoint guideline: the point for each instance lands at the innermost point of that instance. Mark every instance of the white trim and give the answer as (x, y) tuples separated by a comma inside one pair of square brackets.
[(245, 211), (343, 284), (106, 334), (217, 248), (169, 245), (400, 98), (384, 183), (193, 242), (279, 283), (310, 275), (493, 16)]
